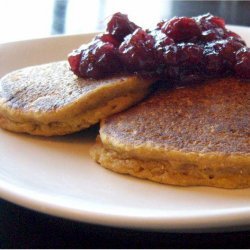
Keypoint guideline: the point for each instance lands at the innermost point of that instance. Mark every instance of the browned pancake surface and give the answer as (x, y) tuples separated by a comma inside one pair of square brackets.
[(47, 87), (50, 100), (209, 117)]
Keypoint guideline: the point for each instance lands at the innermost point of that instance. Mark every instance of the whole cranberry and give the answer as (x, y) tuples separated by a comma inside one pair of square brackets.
[(213, 63), (74, 59), (213, 28), (183, 53), (212, 34), (232, 35), (119, 26), (161, 42), (170, 55), (231, 46), (137, 52), (227, 49), (208, 22), (161, 39), (217, 21), (182, 29), (107, 38), (99, 60), (190, 53), (242, 67)]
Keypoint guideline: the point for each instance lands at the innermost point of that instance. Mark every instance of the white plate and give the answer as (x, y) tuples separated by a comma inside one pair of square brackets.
[(57, 176)]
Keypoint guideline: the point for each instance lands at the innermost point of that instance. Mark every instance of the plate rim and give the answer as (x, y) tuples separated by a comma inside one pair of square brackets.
[(215, 220)]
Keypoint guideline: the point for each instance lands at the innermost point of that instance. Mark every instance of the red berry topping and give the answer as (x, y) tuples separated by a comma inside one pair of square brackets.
[(137, 52), (213, 63), (99, 60), (182, 29), (242, 67), (119, 26), (213, 28), (161, 42), (107, 38), (181, 49), (209, 21), (229, 51), (212, 34), (171, 55), (74, 59), (217, 21), (226, 48), (190, 53), (161, 39), (234, 36)]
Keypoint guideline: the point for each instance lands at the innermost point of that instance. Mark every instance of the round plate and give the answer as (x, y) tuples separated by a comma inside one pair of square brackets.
[(58, 177)]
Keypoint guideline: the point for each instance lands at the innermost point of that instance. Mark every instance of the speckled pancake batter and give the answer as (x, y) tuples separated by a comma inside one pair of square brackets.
[(50, 100), (195, 135)]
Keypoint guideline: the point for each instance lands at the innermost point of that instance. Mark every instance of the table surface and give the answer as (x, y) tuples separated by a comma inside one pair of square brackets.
[(23, 228)]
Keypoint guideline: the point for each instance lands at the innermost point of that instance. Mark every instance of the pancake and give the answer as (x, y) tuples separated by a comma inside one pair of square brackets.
[(50, 100), (187, 136)]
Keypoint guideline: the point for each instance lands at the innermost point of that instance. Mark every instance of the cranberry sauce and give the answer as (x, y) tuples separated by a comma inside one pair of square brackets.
[(181, 49)]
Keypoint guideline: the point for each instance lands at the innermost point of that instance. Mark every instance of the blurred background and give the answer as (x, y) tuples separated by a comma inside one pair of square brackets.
[(25, 19)]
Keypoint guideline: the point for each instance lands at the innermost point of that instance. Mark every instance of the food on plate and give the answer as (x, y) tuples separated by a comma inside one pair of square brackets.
[(196, 134), (50, 100), (193, 129)]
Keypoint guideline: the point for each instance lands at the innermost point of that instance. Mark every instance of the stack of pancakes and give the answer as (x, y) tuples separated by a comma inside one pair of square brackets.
[(189, 135)]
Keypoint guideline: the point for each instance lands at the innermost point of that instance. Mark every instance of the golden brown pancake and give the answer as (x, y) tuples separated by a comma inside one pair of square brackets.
[(50, 100), (192, 135)]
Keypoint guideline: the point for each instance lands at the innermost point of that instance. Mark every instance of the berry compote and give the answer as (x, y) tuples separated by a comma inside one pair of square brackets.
[(182, 49)]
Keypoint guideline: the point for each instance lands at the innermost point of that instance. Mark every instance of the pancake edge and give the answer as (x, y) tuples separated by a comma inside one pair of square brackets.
[(77, 123), (150, 151), (179, 173)]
